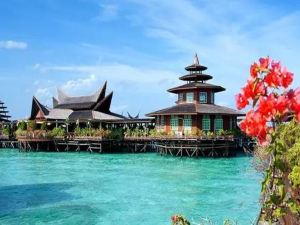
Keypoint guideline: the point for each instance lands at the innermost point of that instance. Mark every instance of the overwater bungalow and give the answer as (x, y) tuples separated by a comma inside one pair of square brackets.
[(195, 107)]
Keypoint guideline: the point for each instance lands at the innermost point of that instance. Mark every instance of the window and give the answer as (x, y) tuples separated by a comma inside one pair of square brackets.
[(212, 96), (162, 123), (218, 123), (206, 123), (180, 97), (174, 123), (157, 124), (187, 123), (189, 97), (203, 97)]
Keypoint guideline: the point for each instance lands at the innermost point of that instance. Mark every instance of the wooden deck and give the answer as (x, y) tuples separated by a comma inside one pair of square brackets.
[(174, 146)]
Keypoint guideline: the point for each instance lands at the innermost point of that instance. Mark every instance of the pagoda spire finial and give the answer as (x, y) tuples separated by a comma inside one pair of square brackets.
[(196, 60)]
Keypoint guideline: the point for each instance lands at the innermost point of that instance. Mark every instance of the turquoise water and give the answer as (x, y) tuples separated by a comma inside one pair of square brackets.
[(125, 189)]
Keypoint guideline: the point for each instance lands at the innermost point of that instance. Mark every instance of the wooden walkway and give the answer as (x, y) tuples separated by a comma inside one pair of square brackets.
[(180, 147)]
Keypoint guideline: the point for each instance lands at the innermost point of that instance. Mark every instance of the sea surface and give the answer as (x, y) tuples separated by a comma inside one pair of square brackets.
[(124, 189)]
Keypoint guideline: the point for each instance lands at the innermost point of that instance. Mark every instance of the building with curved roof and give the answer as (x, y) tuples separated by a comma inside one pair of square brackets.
[(95, 107), (195, 107)]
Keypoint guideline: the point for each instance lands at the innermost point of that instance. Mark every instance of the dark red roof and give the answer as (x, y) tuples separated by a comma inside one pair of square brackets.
[(196, 85), (195, 77), (193, 109)]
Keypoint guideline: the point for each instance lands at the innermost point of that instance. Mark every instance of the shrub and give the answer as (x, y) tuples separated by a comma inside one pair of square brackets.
[(21, 133), (44, 126), (22, 125), (6, 130), (116, 134), (31, 125), (295, 176), (58, 132)]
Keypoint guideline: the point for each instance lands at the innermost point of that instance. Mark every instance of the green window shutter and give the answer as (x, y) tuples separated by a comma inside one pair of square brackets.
[(206, 123)]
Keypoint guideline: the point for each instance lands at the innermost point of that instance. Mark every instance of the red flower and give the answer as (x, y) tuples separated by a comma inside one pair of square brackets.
[(254, 68), (286, 78), (241, 101), (272, 79), (254, 125), (254, 89), (274, 106), (264, 63), (276, 66), (282, 104), (174, 218), (266, 106), (294, 98)]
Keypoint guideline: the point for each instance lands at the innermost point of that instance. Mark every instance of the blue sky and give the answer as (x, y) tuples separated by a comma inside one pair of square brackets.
[(139, 47)]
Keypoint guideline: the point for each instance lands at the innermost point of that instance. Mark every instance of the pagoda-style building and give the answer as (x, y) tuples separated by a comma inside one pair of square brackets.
[(4, 117), (195, 107)]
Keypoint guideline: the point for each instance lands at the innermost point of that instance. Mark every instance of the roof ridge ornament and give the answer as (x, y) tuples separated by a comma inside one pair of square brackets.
[(196, 60)]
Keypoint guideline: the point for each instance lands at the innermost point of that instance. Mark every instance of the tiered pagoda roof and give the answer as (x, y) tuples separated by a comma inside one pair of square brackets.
[(194, 109), (4, 117), (92, 107), (196, 82)]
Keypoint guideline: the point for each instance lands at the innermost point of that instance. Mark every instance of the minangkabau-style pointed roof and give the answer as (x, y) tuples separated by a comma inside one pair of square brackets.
[(90, 107), (38, 110), (64, 101)]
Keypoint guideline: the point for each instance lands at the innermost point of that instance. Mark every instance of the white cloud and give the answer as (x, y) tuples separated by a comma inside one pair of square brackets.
[(228, 36), (108, 12), (73, 86), (13, 44), (113, 72), (44, 94)]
